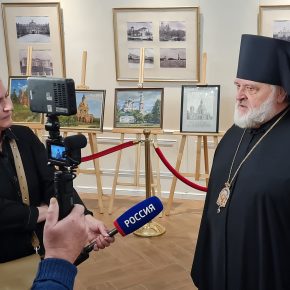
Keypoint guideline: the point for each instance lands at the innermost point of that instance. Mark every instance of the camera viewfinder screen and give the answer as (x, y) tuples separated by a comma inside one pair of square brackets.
[(57, 152)]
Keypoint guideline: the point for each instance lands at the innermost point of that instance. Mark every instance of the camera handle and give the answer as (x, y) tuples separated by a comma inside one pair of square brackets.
[(63, 187), (52, 125)]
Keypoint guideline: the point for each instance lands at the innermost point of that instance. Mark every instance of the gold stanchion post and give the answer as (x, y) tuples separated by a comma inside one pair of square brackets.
[(151, 229)]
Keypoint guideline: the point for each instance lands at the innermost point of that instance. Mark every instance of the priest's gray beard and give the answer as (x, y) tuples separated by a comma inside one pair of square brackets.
[(255, 117)]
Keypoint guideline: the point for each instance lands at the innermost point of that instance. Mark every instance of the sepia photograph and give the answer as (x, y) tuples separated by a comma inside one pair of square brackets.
[(138, 108), (172, 31), (41, 62), (19, 96), (90, 111), (139, 31), (281, 29), (134, 57), (33, 29), (200, 108), (172, 57)]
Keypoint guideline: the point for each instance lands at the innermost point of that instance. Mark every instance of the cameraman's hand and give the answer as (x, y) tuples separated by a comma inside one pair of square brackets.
[(66, 238), (97, 231)]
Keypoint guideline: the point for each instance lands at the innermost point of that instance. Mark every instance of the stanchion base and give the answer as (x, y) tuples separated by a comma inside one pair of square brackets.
[(151, 229)]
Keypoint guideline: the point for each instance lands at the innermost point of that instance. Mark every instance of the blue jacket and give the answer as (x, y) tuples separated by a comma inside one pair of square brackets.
[(55, 274)]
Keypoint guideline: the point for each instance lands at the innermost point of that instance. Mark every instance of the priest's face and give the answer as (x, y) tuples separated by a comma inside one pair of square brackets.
[(256, 103), (5, 109)]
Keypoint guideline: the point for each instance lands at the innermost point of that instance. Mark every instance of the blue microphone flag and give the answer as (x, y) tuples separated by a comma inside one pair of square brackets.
[(138, 215)]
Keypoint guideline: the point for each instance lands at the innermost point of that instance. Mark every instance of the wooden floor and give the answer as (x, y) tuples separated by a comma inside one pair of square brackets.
[(137, 263)]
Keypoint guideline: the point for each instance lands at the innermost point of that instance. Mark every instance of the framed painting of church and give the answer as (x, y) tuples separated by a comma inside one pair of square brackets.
[(36, 26), (17, 90), (200, 109), (169, 36), (90, 111), (274, 21), (138, 108)]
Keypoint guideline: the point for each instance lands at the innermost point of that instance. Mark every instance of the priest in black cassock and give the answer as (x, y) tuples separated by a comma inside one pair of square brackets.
[(244, 236)]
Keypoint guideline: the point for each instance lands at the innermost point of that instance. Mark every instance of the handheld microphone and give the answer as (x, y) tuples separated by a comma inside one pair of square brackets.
[(137, 216), (130, 221)]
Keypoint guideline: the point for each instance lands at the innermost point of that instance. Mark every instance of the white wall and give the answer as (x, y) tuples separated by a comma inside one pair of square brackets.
[(88, 26)]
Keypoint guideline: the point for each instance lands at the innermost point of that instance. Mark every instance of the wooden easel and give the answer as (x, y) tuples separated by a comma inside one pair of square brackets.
[(37, 128), (92, 137), (202, 142), (29, 61), (155, 184), (83, 86), (202, 139)]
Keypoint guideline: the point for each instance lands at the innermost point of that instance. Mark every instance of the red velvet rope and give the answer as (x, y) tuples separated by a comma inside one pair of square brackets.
[(176, 173), (108, 151)]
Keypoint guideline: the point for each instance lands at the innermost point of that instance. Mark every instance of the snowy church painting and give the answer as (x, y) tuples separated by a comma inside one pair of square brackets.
[(199, 109), (138, 108)]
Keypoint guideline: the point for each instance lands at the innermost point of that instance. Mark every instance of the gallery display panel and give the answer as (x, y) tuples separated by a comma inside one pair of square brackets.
[(36, 25)]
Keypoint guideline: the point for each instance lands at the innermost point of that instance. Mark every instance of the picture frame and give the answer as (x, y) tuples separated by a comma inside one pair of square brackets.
[(36, 25), (17, 90), (200, 108), (138, 108), (274, 21), (90, 111), (170, 38)]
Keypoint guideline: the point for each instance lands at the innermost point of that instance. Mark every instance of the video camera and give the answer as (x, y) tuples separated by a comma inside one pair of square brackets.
[(54, 97)]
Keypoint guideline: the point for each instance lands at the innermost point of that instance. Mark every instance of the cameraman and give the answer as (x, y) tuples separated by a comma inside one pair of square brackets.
[(63, 241), (18, 221)]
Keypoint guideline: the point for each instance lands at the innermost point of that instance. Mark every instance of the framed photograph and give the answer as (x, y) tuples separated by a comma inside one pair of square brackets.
[(274, 21), (18, 92), (138, 108), (36, 25), (200, 109), (90, 111), (169, 36)]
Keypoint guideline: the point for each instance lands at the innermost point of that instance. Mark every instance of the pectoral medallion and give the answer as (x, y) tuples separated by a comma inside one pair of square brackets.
[(223, 197)]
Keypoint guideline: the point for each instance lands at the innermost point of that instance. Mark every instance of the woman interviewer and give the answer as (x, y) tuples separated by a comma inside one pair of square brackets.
[(18, 221)]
